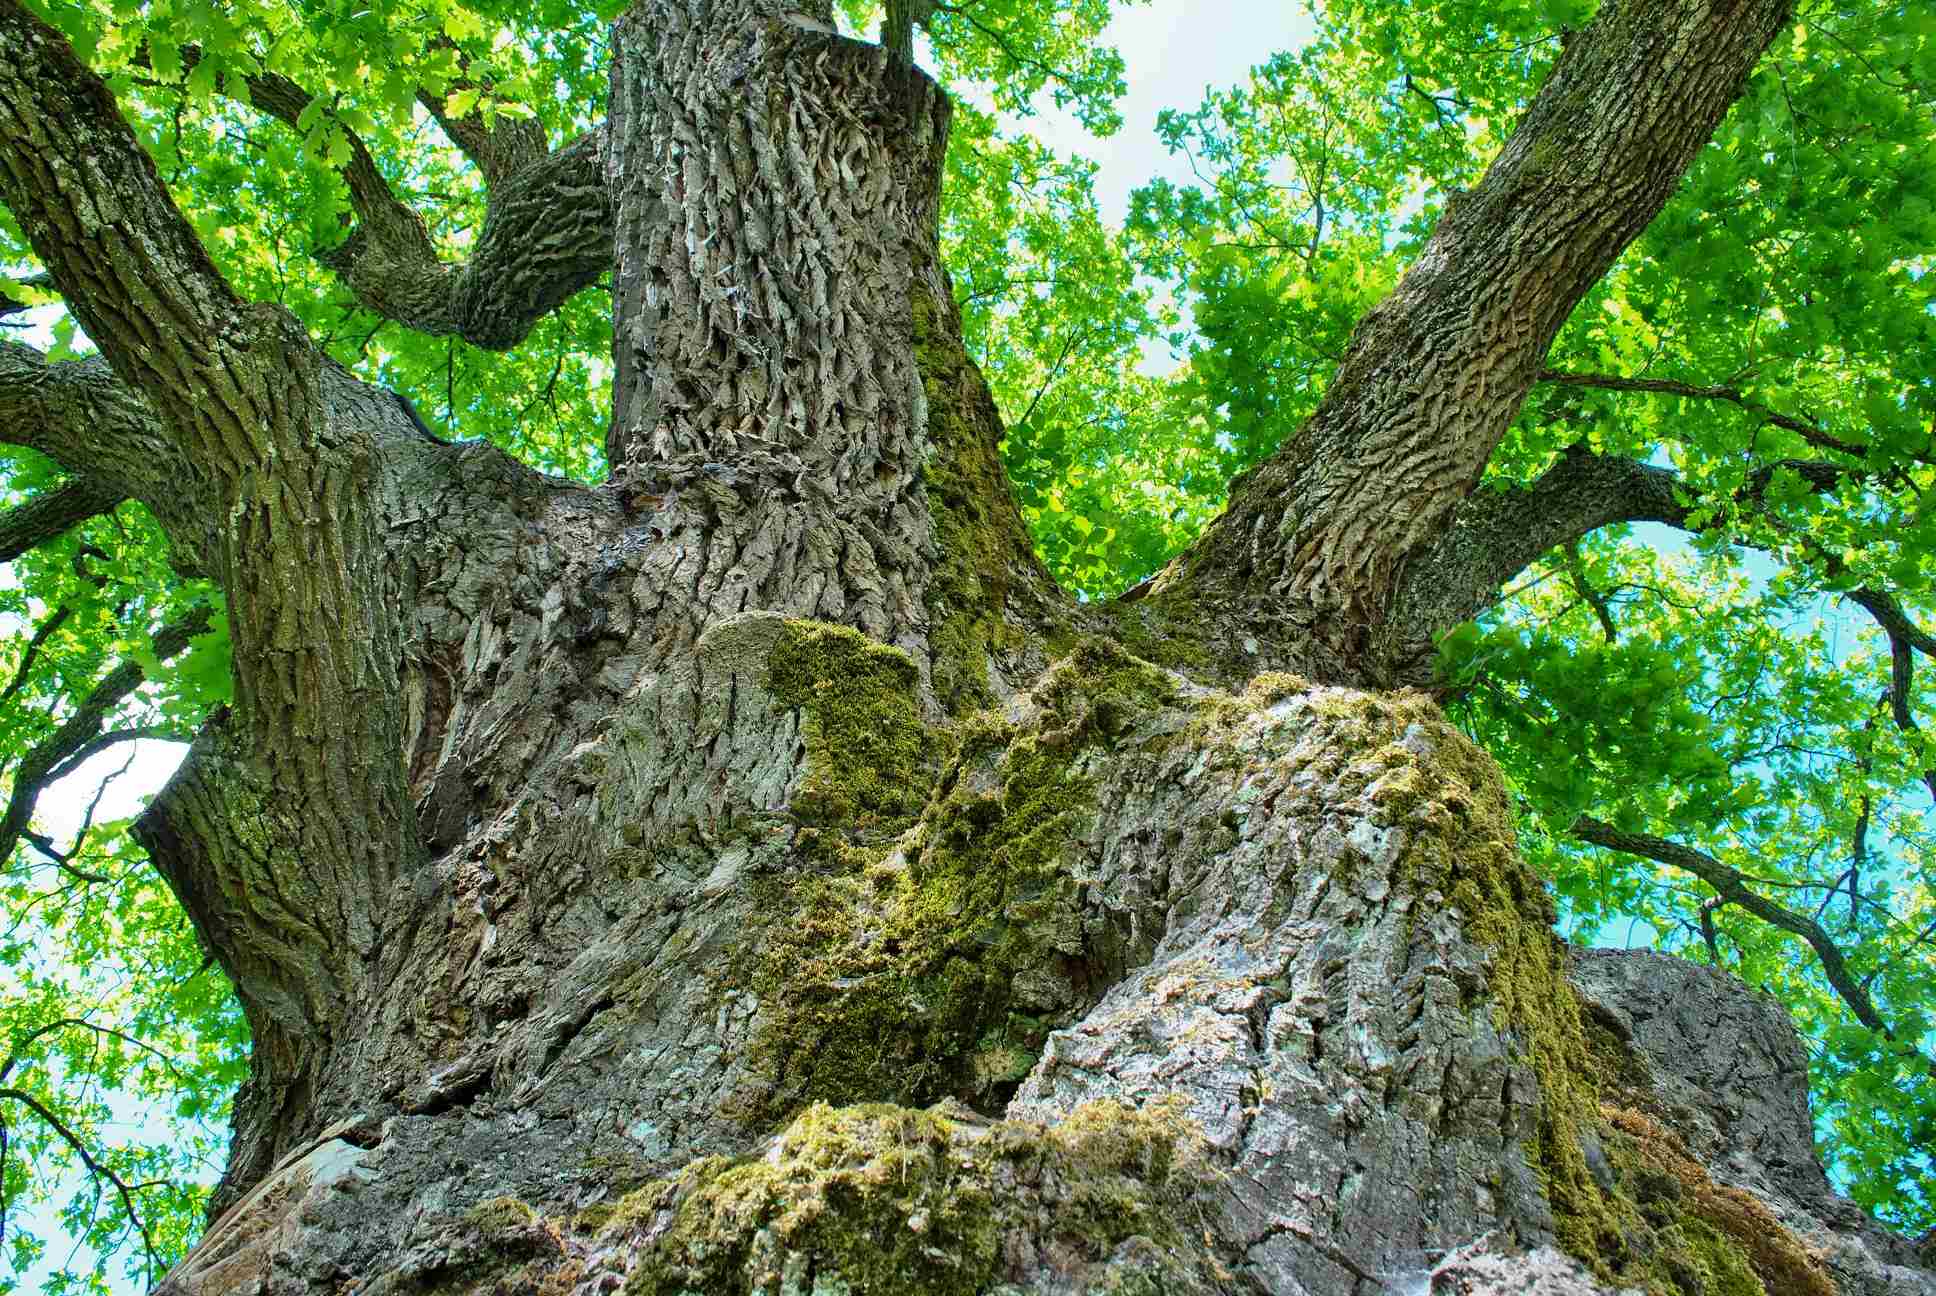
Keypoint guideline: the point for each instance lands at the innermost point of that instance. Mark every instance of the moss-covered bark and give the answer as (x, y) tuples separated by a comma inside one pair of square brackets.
[(910, 969), (988, 583), (878, 1200)]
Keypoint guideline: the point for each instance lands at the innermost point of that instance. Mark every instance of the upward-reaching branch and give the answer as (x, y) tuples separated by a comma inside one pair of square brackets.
[(1319, 535), (499, 150), (127, 263), (274, 442), (547, 226)]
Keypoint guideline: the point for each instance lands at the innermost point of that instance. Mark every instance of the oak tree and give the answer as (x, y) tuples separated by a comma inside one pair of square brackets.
[(685, 794)]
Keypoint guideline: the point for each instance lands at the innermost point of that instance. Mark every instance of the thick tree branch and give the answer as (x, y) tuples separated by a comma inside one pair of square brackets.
[(1498, 534), (547, 225), (81, 415), (897, 28), (122, 256), (1888, 613), (547, 235), (83, 731), (53, 513), (1319, 535), (293, 459), (1732, 887)]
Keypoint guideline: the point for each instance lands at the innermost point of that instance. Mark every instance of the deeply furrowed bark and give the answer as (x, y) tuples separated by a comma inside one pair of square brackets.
[(754, 875)]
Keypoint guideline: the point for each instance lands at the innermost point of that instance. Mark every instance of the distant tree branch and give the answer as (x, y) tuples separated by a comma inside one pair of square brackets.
[(997, 38), (1576, 572), (1905, 640), (45, 630), (113, 738), (1732, 887), (53, 513), (122, 1187), (85, 730), (1497, 534), (12, 305), (1889, 614), (81, 1023), (1809, 432)]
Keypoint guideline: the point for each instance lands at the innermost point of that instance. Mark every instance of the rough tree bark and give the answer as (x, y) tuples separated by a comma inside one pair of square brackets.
[(754, 874)]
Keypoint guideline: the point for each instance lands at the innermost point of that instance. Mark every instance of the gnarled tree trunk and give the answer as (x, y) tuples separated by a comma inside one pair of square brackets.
[(754, 874)]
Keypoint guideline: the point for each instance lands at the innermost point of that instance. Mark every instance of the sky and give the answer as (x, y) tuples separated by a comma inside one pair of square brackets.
[(1173, 51)]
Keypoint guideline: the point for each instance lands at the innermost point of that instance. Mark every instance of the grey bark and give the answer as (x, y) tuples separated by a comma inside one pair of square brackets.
[(561, 839)]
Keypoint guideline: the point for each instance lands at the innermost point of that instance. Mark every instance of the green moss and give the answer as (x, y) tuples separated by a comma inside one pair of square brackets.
[(879, 1200), (866, 745), (977, 525), (1685, 1235), (500, 1216), (897, 976), (1166, 628)]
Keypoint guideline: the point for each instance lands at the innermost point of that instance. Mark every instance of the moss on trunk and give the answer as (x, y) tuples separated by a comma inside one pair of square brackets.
[(923, 967)]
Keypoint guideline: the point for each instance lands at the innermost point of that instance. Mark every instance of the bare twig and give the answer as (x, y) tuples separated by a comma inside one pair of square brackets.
[(1815, 436), (52, 622), (1731, 887), (85, 727), (95, 1168), (1576, 572)]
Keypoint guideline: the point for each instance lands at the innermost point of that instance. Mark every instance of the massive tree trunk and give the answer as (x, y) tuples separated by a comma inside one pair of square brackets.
[(754, 874)]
